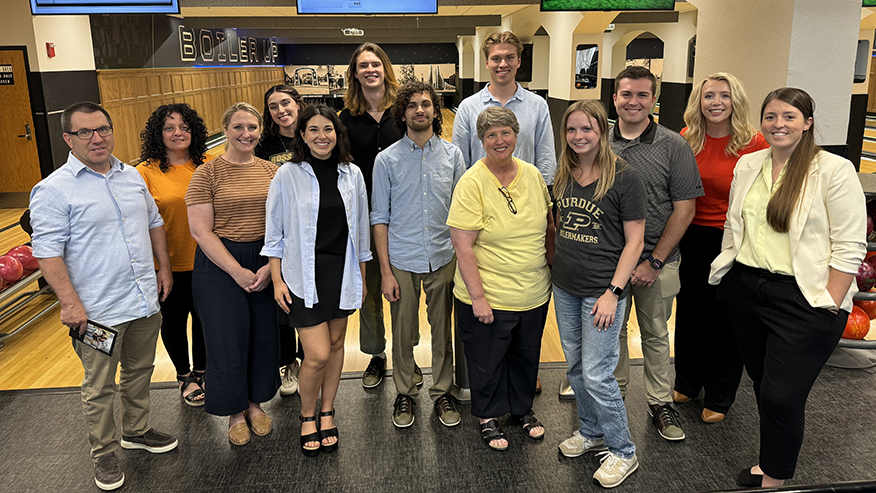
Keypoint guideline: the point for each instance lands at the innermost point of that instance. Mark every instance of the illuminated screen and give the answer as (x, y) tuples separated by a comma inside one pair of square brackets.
[(366, 7), (559, 5), (67, 7), (869, 3)]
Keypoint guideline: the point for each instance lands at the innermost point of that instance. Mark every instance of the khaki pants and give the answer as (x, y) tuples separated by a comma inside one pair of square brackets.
[(653, 309), (135, 350), (438, 286)]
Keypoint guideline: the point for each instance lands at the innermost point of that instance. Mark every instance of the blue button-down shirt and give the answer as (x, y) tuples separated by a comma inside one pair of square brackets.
[(535, 141), (290, 230), (99, 226), (412, 188)]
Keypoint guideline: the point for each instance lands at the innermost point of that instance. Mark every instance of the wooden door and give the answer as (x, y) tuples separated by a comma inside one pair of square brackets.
[(19, 160)]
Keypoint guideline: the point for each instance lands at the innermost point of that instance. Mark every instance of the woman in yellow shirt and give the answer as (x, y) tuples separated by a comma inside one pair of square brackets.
[(173, 144), (503, 234)]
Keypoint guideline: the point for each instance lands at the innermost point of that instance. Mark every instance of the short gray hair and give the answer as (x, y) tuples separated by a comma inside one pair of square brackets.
[(496, 116)]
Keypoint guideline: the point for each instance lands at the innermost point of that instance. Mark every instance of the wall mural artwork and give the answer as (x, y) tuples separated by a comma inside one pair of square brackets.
[(331, 79)]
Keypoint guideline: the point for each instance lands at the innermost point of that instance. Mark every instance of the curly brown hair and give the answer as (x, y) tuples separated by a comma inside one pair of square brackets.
[(405, 93), (152, 138)]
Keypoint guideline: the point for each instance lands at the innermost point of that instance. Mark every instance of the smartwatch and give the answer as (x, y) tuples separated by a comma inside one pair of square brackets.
[(655, 263), (616, 290)]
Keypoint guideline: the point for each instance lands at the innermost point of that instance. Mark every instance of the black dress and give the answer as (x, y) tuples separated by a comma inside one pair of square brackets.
[(331, 248)]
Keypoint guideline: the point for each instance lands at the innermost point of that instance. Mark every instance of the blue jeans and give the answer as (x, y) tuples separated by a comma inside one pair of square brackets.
[(592, 357)]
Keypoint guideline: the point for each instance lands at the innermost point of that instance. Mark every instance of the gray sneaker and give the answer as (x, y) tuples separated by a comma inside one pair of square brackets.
[(108, 475), (373, 374), (665, 418), (576, 445), (151, 441), (448, 414), (418, 376), (614, 470), (403, 411)]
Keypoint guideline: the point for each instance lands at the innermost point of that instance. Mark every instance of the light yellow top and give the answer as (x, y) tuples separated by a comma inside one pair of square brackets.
[(762, 246), (510, 249)]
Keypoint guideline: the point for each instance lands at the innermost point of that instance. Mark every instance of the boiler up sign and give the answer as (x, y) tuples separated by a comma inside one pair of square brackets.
[(224, 46)]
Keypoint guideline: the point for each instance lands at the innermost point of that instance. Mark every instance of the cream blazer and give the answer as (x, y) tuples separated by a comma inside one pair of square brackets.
[(827, 230)]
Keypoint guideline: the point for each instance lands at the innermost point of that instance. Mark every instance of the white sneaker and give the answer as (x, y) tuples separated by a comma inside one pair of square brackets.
[(289, 376), (614, 470), (577, 445)]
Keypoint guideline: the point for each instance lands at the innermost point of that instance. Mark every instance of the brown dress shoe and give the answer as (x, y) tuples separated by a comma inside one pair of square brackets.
[(261, 424), (239, 434), (677, 397), (711, 416), (537, 385)]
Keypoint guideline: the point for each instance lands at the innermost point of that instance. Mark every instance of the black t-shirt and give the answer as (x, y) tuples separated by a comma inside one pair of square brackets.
[(276, 149), (331, 223), (590, 236), (367, 138)]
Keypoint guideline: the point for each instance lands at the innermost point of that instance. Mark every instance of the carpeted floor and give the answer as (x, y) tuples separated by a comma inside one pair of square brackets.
[(45, 447)]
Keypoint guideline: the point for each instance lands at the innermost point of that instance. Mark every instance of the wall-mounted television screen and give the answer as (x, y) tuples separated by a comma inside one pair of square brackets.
[(567, 5), (367, 7), (83, 7), (869, 3)]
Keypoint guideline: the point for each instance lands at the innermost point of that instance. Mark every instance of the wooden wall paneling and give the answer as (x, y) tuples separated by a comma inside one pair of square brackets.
[(871, 89)]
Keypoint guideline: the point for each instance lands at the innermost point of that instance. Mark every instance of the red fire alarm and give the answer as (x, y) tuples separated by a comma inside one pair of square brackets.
[(50, 49)]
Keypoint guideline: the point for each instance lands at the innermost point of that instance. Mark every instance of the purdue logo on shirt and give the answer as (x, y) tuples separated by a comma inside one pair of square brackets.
[(575, 223)]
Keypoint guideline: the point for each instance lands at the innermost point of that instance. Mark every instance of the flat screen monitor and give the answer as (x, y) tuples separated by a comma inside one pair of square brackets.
[(869, 3), (367, 7), (83, 7), (602, 5)]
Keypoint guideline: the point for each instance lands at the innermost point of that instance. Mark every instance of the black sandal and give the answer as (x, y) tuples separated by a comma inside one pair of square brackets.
[(312, 437), (200, 378), (528, 421), (194, 398), (332, 432), (490, 431)]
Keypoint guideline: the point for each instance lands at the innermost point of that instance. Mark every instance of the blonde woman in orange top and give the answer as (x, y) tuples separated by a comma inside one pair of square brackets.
[(173, 144)]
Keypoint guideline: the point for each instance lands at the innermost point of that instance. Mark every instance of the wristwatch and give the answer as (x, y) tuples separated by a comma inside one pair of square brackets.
[(616, 290), (655, 263)]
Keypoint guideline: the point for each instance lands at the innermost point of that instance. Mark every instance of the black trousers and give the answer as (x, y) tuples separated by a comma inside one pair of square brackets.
[(706, 351), (502, 358), (289, 347), (240, 331), (785, 343), (174, 326)]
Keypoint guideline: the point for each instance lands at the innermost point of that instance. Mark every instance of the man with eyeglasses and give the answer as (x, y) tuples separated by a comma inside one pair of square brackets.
[(413, 183), (96, 230)]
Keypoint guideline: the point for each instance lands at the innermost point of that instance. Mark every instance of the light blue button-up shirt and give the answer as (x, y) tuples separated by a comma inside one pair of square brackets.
[(290, 230), (535, 141), (99, 226), (411, 192)]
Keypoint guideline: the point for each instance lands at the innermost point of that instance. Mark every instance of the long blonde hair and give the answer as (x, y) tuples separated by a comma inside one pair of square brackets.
[(354, 98), (605, 159), (740, 130)]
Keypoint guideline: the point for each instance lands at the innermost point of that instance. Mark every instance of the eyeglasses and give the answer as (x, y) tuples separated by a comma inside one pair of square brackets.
[(508, 199), (88, 133)]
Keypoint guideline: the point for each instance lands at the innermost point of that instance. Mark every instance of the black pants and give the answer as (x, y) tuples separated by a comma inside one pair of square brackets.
[(502, 358), (785, 343), (240, 331), (289, 348), (706, 351), (174, 326)]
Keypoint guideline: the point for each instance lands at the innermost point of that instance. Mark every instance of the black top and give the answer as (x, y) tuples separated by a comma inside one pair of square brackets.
[(367, 138), (331, 223), (276, 149)]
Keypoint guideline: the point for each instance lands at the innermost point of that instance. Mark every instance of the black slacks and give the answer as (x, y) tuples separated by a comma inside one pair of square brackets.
[(240, 330), (785, 343), (502, 358), (706, 351), (174, 326)]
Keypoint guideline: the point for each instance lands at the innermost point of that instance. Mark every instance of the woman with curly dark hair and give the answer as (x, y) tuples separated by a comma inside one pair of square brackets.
[(173, 144)]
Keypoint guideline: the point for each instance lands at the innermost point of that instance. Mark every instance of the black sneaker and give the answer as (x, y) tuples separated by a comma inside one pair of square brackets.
[(403, 411), (108, 475), (373, 375), (665, 418), (151, 441)]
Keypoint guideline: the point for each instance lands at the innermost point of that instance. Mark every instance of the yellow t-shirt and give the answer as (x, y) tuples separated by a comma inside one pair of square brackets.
[(510, 248), (762, 246), (169, 191)]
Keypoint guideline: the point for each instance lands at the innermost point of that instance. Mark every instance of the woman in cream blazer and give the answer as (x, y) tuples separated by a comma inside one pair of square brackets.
[(793, 241)]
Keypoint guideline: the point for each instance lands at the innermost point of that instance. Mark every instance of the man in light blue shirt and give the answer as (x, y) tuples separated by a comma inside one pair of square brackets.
[(413, 183), (535, 141), (96, 229)]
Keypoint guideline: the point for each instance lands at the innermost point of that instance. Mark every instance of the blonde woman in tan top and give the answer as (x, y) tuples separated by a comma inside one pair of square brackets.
[(226, 209)]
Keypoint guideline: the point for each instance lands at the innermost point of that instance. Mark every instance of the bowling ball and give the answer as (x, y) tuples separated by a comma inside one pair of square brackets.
[(866, 276), (24, 254), (10, 270), (869, 307), (857, 326)]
